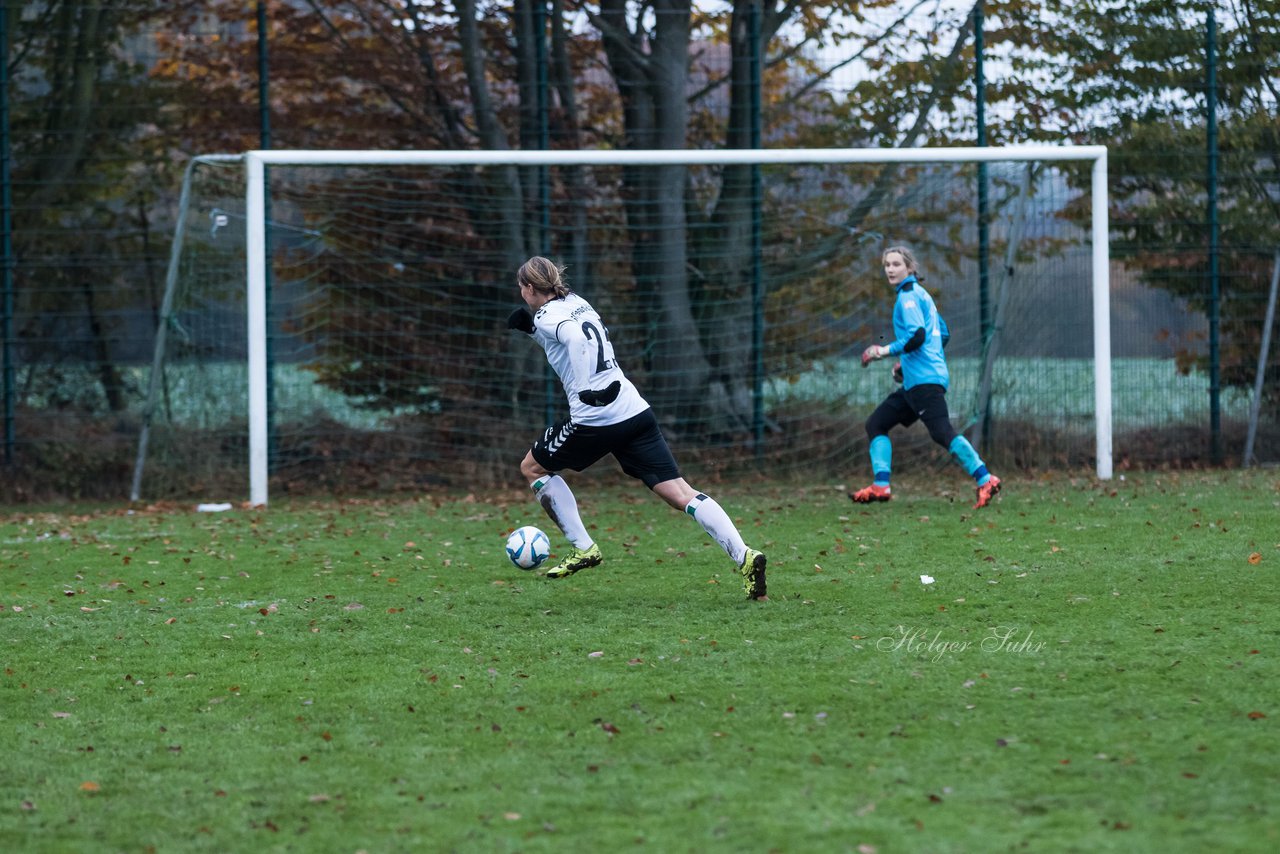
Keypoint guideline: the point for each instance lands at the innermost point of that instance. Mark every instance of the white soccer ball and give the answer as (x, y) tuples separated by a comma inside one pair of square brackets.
[(527, 547)]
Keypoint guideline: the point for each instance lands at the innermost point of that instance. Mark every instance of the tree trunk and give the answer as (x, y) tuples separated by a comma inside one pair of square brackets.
[(80, 36), (528, 30), (108, 373), (504, 181), (566, 130), (723, 285), (651, 73)]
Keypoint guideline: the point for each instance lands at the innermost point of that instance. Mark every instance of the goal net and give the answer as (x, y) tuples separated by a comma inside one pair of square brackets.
[(335, 321)]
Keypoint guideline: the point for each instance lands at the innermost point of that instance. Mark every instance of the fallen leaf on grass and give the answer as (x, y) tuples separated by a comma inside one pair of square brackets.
[(1256, 716), (90, 786), (1255, 558)]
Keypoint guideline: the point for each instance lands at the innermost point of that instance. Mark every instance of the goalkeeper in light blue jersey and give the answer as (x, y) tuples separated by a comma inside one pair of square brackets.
[(920, 334)]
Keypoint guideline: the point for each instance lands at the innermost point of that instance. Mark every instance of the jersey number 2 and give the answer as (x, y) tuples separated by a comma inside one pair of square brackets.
[(601, 339)]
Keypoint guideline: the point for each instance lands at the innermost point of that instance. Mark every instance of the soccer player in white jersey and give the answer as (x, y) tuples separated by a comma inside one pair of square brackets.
[(607, 415), (919, 334)]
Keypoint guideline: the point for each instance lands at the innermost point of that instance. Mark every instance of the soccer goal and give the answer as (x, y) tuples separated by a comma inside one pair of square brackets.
[(334, 319)]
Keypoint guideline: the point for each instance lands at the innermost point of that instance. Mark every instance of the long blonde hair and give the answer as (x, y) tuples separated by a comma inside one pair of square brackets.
[(544, 276)]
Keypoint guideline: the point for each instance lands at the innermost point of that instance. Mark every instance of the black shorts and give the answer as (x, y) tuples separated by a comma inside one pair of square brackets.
[(926, 402), (637, 444)]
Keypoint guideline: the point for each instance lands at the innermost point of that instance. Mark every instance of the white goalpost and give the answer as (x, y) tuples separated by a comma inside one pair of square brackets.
[(259, 165)]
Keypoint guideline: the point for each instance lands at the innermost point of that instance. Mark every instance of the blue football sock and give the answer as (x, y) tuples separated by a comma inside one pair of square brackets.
[(881, 459), (968, 458)]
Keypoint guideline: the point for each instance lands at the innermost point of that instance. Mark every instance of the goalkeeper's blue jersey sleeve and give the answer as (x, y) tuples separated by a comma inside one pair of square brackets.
[(913, 310)]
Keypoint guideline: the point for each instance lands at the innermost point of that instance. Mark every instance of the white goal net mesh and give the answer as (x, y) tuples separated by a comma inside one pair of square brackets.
[(390, 367)]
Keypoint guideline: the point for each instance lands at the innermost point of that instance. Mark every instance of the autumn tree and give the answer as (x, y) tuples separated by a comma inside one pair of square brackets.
[(921, 59), (428, 75), (86, 180), (373, 75), (696, 269), (1135, 78)]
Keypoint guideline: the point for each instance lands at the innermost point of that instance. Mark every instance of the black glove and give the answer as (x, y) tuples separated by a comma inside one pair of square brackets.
[(521, 320), (604, 397)]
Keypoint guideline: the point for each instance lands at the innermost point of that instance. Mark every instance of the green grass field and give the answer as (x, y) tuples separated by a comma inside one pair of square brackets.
[(1093, 668)]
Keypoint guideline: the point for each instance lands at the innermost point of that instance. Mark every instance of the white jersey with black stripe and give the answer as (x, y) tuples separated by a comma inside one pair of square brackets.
[(579, 350)]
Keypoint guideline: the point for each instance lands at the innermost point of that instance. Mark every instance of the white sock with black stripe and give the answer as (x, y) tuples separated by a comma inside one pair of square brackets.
[(716, 522), (557, 500)]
